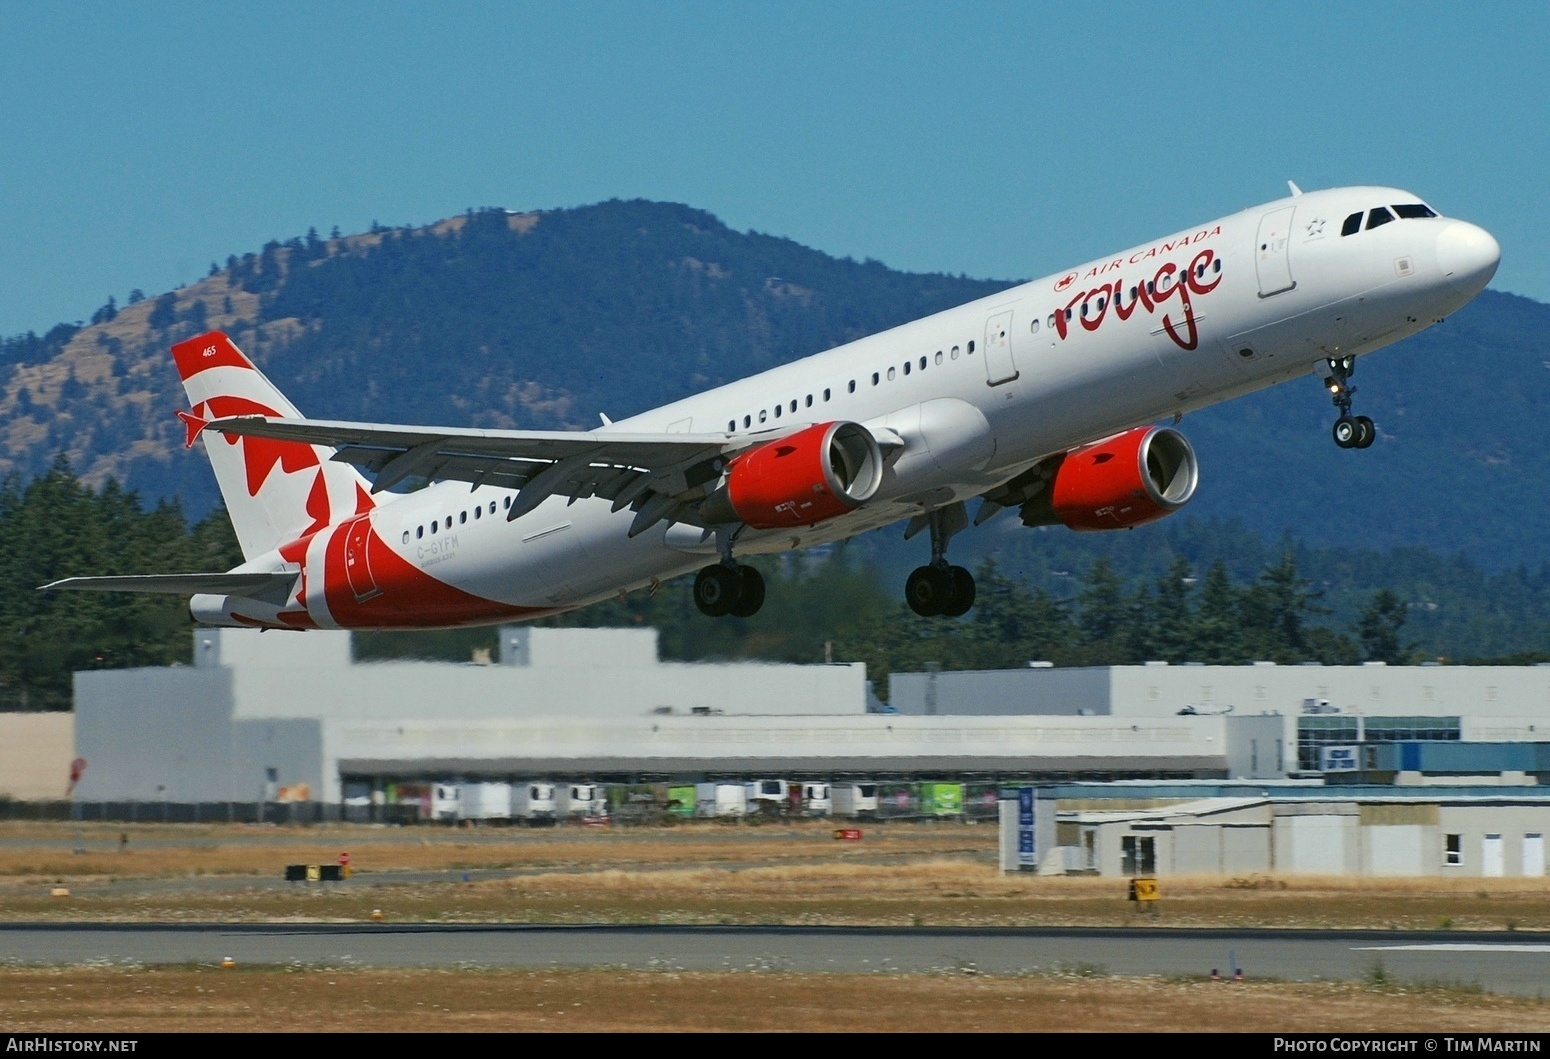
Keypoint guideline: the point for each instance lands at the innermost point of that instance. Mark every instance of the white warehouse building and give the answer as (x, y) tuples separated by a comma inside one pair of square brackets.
[(260, 712)]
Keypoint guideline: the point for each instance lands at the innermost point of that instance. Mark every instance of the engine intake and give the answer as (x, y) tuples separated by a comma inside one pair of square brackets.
[(1127, 480), (804, 478)]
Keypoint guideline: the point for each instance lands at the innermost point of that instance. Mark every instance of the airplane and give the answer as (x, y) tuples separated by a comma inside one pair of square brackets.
[(1045, 397)]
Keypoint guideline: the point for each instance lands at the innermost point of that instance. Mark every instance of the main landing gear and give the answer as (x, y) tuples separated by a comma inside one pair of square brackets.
[(729, 587), (1350, 432), (938, 588)]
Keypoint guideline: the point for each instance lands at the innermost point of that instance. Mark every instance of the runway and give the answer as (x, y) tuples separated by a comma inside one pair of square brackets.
[(1500, 962)]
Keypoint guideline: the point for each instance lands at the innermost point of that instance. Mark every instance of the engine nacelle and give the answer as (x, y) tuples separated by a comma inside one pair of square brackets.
[(1127, 480), (817, 473)]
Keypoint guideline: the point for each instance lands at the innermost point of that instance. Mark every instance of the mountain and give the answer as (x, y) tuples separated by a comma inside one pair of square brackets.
[(543, 320)]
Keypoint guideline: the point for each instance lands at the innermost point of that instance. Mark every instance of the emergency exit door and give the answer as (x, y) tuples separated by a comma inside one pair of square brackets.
[(357, 565), (1272, 252), (999, 366)]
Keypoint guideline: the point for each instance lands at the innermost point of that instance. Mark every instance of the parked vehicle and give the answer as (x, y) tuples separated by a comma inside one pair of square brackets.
[(681, 801), (532, 802), (486, 802), (855, 800), (446, 800), (720, 800), (581, 800), (768, 797), (816, 799)]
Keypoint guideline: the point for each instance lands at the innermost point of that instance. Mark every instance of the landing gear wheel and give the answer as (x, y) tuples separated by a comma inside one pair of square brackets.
[(929, 590), (750, 595), (1368, 433), (716, 590), (1347, 432), (962, 594)]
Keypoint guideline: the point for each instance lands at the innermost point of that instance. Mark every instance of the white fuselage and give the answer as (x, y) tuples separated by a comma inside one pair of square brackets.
[(979, 393)]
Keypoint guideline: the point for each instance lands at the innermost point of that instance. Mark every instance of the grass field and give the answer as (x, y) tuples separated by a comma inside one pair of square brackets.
[(116, 1000), (898, 875)]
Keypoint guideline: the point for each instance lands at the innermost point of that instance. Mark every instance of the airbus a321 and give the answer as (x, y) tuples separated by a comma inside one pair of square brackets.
[(1043, 398)]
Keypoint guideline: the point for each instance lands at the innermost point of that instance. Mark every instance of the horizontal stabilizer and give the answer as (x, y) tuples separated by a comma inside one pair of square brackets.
[(252, 584)]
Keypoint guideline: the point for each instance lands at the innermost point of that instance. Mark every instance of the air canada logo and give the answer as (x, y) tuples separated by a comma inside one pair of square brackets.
[(1065, 281)]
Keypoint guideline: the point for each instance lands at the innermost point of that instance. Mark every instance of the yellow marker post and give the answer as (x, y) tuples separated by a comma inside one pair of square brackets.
[(1143, 891)]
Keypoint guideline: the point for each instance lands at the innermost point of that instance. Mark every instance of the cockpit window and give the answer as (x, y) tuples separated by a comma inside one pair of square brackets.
[(1411, 210), (1353, 224), (1378, 217)]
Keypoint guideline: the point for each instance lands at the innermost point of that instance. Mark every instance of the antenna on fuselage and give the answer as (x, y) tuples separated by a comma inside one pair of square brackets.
[(1295, 189)]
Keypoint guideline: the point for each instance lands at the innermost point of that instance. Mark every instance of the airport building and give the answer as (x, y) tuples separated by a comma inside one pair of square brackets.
[(1331, 718), (292, 716)]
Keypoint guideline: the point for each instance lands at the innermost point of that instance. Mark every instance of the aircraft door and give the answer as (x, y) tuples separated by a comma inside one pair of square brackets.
[(1272, 260), (999, 366), (357, 564)]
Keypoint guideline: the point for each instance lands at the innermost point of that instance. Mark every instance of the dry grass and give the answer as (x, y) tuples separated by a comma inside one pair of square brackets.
[(899, 875), (126, 1001)]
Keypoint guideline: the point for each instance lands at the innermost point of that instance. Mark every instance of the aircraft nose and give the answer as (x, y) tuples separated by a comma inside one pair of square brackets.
[(1468, 256)]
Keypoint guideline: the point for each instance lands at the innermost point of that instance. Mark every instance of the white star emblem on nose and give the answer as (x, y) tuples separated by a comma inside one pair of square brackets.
[(1316, 226)]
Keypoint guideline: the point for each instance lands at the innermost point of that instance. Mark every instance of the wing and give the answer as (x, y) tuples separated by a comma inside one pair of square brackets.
[(251, 584), (657, 475)]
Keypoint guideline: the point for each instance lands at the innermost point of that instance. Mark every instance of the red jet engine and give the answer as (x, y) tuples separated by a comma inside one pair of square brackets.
[(804, 478), (1124, 481)]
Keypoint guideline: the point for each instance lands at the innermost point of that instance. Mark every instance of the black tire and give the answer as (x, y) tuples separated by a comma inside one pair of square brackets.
[(1369, 432), (1346, 432), (962, 594), (716, 589), (750, 595), (928, 590)]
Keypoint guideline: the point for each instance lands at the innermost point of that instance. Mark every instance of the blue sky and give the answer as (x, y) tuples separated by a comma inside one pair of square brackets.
[(139, 142)]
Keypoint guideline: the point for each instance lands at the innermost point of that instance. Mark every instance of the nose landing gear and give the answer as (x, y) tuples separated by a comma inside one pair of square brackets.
[(1350, 432), (939, 588)]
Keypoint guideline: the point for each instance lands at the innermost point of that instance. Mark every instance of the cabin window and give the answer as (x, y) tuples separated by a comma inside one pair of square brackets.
[(406, 536), (922, 363), (1084, 310), (763, 415), (506, 502), (793, 404), (731, 425), (777, 411), (492, 507), (419, 532), (906, 367), (1410, 211), (433, 525), (479, 511), (1353, 224), (809, 400), (825, 393), (955, 348), (1033, 327), (939, 356), (852, 386), (1378, 217), (876, 378), (462, 518), (747, 422), (971, 345), (1216, 266), (891, 374), (1052, 319)]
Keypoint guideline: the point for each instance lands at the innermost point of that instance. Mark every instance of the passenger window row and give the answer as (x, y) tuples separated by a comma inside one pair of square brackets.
[(910, 366), (440, 524), (1380, 216)]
